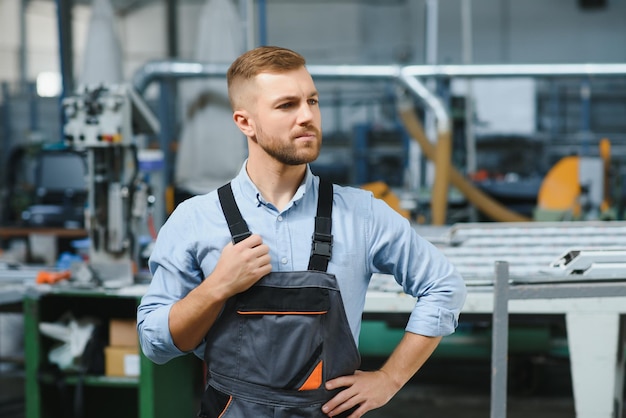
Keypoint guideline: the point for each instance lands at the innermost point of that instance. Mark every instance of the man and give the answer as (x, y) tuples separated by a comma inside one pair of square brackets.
[(266, 278)]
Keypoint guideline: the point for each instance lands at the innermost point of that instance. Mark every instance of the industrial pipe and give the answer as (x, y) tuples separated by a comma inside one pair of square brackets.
[(174, 69), (442, 150), (483, 202), (515, 70), (157, 69)]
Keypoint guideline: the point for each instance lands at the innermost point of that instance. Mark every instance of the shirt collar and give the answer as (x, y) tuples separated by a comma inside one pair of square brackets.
[(251, 192)]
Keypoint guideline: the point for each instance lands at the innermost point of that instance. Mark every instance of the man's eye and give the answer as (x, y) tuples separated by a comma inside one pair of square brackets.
[(313, 101), (285, 105)]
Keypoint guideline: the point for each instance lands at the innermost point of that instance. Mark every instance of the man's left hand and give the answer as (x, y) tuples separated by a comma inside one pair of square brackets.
[(367, 390)]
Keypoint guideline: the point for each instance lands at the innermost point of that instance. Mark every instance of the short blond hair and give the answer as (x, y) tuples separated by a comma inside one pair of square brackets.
[(271, 59)]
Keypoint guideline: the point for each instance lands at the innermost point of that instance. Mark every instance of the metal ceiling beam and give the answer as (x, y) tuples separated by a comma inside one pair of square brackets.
[(154, 70)]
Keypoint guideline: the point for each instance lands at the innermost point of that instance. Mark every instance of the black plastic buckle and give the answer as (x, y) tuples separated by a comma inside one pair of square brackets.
[(322, 245)]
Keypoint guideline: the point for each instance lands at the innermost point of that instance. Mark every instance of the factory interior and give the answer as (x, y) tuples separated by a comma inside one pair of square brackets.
[(496, 127)]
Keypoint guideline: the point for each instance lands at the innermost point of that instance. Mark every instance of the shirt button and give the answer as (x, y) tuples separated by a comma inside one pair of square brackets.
[(283, 260), (280, 218)]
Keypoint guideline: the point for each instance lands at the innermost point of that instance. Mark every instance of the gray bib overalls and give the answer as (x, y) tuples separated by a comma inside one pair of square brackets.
[(275, 345)]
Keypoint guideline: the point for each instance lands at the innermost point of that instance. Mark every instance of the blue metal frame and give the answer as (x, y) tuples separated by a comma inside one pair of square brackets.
[(64, 28), (585, 115), (6, 123), (262, 22), (33, 106), (167, 133)]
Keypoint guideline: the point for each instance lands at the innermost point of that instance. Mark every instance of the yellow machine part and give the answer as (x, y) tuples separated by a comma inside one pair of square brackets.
[(605, 154), (489, 206), (560, 188), (382, 191)]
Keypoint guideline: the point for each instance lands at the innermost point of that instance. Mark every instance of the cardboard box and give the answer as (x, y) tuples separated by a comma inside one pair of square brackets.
[(123, 333), (121, 361)]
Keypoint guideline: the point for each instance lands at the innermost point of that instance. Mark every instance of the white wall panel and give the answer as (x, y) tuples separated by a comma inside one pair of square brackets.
[(560, 31), (348, 31), (325, 32), (143, 36), (9, 40)]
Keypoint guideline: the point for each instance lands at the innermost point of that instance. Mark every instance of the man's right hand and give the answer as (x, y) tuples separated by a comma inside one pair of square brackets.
[(240, 266)]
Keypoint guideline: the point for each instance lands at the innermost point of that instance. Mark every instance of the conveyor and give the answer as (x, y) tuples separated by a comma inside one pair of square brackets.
[(527, 247), (589, 263)]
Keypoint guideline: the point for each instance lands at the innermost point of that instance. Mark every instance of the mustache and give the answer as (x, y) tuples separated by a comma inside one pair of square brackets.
[(308, 131)]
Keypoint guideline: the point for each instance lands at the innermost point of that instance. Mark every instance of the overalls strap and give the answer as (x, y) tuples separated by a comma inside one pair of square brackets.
[(236, 224), (322, 246), (322, 240)]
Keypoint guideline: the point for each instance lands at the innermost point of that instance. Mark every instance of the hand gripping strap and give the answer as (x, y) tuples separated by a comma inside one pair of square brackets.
[(322, 246)]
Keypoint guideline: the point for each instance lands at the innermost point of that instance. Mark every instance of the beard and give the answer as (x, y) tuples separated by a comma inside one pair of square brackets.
[(291, 152)]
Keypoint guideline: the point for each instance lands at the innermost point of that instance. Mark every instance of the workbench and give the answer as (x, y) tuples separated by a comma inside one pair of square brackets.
[(595, 327), (57, 236), (162, 391)]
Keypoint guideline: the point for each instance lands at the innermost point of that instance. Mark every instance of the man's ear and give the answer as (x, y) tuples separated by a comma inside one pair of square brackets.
[(242, 120)]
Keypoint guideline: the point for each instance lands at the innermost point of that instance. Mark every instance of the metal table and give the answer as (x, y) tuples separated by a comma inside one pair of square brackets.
[(596, 339), (593, 311)]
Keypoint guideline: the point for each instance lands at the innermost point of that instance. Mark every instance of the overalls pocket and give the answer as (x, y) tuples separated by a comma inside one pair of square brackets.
[(282, 331)]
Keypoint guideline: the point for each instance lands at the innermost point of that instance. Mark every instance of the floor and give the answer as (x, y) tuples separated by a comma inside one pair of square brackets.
[(438, 402), (442, 389), (460, 388)]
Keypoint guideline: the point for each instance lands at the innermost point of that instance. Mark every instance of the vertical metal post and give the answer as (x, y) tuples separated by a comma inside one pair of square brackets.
[(33, 106), (32, 354), (360, 153), (432, 31), (5, 148), (470, 139), (172, 27), (247, 13), (556, 127), (64, 24), (500, 340), (5, 118), (585, 115), (167, 119), (468, 57), (23, 54), (431, 49), (262, 22), (167, 108), (505, 28)]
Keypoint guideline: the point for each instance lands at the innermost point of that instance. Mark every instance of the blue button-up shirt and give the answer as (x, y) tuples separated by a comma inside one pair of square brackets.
[(368, 237)]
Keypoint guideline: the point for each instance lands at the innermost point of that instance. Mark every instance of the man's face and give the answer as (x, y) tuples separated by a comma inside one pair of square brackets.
[(285, 116)]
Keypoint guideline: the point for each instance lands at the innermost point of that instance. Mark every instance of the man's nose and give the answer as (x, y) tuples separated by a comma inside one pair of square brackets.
[(305, 113)]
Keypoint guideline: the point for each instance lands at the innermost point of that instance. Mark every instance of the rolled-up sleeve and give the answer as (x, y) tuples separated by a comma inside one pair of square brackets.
[(153, 328), (422, 270), (437, 310), (439, 289)]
